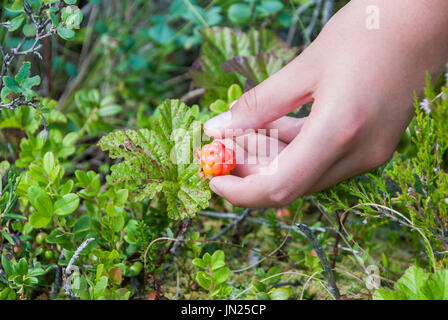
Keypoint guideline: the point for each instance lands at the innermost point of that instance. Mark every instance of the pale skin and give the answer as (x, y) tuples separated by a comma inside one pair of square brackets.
[(362, 84)]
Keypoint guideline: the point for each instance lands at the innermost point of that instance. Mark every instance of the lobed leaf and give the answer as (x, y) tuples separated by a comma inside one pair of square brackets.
[(230, 56), (159, 160)]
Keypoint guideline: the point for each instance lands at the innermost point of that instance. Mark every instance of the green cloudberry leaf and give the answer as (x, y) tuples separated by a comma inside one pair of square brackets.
[(160, 160), (437, 287), (255, 69), (416, 284), (412, 282), (250, 58)]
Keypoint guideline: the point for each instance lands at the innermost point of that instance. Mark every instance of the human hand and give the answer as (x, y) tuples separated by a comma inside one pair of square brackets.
[(361, 83)]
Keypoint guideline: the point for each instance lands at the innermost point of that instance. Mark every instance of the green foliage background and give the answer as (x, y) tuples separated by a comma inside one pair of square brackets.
[(99, 122)]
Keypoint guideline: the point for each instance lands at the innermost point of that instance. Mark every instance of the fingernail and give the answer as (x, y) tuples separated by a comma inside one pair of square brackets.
[(214, 189), (219, 122)]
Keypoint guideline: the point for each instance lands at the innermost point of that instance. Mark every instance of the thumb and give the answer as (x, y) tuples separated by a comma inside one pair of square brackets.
[(285, 91)]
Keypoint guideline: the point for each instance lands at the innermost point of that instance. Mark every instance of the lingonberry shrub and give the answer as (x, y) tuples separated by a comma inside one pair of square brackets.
[(45, 18)]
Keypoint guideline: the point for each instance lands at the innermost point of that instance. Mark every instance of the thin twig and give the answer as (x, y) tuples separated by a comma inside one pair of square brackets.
[(68, 270), (192, 95), (19, 101), (177, 79), (295, 20), (312, 24), (172, 250), (312, 277), (78, 252), (260, 221), (57, 277), (341, 224), (383, 212), (2, 279), (80, 77), (88, 37), (322, 257), (327, 12), (230, 226), (344, 236), (287, 283), (281, 225)]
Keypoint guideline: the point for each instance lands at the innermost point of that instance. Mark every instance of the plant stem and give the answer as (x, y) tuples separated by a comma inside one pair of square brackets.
[(332, 287)]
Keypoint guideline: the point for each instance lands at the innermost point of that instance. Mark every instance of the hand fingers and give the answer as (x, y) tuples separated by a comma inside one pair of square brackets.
[(248, 163), (285, 91), (260, 145), (294, 171), (243, 192), (287, 128)]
